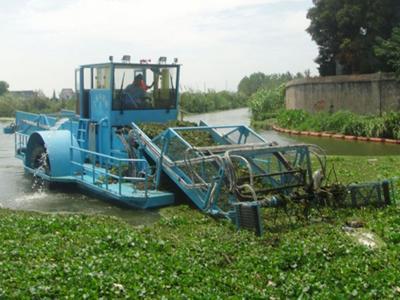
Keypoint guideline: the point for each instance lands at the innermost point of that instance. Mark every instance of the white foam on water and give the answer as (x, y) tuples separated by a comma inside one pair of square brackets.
[(30, 197)]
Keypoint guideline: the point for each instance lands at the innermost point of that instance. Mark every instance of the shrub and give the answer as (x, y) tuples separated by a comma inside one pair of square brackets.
[(266, 102), (391, 125), (345, 122), (292, 118)]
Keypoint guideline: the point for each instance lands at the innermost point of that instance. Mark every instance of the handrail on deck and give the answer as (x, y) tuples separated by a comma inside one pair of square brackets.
[(109, 156), (107, 159), (20, 141)]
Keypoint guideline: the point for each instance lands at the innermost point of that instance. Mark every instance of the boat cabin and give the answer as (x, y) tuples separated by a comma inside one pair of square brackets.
[(128, 92)]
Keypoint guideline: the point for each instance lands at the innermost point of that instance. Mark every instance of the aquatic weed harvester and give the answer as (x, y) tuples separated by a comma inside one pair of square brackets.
[(126, 145)]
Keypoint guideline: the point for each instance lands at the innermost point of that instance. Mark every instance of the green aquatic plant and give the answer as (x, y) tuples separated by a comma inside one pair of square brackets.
[(198, 138), (343, 122), (187, 254)]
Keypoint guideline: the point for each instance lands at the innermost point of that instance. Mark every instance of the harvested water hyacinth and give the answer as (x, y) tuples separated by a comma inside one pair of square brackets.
[(196, 138)]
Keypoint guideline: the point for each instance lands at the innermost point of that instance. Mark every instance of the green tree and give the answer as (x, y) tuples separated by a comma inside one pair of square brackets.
[(249, 85), (346, 32), (200, 102), (266, 102), (256, 81), (3, 87), (390, 50)]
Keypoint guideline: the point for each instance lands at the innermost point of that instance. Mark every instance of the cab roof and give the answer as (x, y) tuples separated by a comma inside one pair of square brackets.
[(130, 65)]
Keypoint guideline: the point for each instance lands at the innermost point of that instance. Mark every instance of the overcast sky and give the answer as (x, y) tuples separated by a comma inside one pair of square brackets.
[(217, 41)]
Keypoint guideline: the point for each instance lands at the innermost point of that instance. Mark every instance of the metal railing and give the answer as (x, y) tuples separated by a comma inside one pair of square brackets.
[(20, 143), (96, 172)]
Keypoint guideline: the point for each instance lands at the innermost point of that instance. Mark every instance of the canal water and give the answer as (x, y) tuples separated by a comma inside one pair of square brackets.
[(16, 188)]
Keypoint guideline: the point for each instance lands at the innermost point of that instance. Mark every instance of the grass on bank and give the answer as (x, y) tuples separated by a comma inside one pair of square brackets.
[(343, 122), (188, 254)]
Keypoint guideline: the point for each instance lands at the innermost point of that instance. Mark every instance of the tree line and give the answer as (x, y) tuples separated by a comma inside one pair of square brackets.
[(202, 102), (10, 103), (252, 88)]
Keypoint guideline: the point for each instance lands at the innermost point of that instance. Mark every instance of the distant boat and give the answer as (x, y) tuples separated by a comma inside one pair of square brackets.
[(10, 129)]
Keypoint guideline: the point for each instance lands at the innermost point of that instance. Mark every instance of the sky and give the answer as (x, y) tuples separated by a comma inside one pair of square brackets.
[(218, 42)]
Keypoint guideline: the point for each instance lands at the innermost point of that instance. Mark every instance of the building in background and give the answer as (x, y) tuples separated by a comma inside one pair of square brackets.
[(67, 94)]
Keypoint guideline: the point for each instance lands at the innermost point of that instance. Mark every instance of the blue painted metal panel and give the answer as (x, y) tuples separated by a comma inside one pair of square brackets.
[(118, 148), (81, 91), (135, 199), (71, 126), (104, 136), (100, 104), (65, 113), (57, 143), (29, 122)]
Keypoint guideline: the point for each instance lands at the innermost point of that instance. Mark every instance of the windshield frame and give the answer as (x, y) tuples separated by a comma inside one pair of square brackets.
[(155, 101)]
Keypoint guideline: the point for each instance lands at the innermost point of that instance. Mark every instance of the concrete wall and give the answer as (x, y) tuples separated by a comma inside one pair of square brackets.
[(363, 94)]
